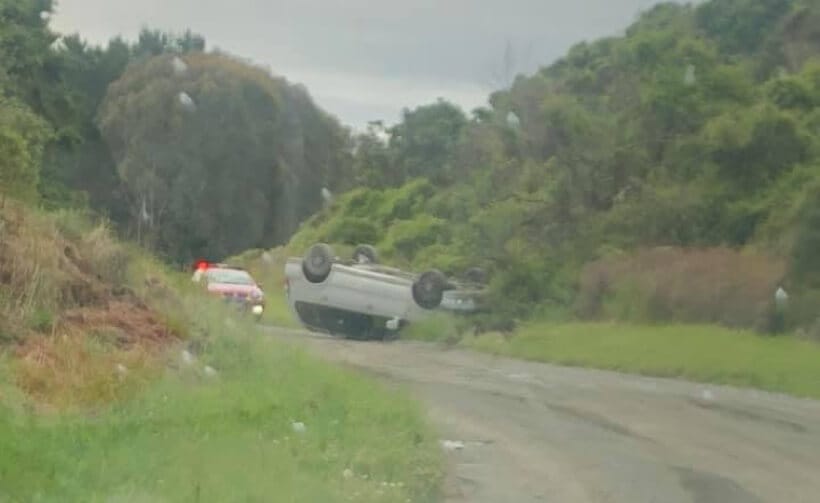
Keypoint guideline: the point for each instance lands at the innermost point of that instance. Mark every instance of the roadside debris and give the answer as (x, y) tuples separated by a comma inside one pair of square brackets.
[(187, 357), (298, 427), (452, 445)]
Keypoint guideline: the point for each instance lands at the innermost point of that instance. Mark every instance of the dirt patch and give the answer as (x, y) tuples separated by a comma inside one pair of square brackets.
[(95, 355), (135, 323), (80, 335)]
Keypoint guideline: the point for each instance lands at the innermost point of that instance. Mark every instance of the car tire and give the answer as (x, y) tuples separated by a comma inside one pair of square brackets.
[(317, 263), (428, 289), (365, 254)]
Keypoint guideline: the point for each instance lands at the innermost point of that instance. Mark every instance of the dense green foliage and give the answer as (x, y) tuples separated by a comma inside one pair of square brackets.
[(216, 156), (243, 180), (697, 128), (700, 127)]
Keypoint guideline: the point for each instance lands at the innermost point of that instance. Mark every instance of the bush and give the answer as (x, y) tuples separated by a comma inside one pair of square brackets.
[(715, 285), (406, 237), (352, 231)]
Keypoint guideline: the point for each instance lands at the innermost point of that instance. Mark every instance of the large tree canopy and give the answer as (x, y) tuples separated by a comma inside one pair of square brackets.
[(217, 156)]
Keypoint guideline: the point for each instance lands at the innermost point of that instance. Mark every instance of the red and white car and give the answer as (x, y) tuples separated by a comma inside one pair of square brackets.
[(233, 284)]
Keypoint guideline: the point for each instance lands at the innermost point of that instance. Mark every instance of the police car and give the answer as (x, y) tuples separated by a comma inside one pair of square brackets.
[(233, 284)]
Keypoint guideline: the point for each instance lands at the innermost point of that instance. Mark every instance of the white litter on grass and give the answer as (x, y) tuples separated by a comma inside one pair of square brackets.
[(121, 369), (186, 101), (187, 357), (298, 427), (348, 473), (452, 445), (209, 371)]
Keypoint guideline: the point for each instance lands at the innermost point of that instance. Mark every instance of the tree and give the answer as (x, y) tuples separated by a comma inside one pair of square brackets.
[(219, 158), (422, 144), (22, 139)]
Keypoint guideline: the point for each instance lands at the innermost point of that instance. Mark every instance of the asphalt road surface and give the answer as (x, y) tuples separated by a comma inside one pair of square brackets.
[(519, 432)]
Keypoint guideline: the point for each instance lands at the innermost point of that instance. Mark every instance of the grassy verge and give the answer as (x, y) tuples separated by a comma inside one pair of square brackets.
[(196, 435), (697, 352), (218, 412)]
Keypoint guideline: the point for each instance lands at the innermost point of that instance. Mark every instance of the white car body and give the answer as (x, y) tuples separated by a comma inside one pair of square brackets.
[(375, 291)]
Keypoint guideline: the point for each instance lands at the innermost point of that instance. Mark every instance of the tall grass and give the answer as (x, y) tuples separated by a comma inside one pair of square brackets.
[(715, 285)]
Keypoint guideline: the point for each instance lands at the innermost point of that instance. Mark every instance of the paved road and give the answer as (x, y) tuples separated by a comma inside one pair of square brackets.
[(534, 432)]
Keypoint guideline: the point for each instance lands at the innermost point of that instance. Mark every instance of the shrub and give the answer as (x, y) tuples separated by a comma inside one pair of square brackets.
[(715, 285), (406, 237), (352, 231)]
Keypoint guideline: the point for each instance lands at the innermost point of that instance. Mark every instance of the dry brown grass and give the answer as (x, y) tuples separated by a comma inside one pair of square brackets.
[(714, 285), (66, 306)]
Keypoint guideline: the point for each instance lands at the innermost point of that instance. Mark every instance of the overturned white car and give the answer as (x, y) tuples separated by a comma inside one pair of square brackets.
[(360, 298)]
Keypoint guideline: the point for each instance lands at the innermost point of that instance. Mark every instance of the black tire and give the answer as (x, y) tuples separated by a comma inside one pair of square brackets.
[(476, 275), (317, 263), (428, 289), (365, 254)]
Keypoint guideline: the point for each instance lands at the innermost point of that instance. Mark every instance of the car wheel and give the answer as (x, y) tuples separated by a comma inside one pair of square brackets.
[(317, 263), (428, 289), (365, 254)]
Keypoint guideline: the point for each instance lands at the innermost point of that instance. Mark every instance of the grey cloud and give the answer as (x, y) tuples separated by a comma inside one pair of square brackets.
[(425, 44)]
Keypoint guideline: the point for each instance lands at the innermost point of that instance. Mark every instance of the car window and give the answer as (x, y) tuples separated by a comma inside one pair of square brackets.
[(229, 276)]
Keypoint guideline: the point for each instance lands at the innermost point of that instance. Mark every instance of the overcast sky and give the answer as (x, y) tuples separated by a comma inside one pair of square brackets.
[(367, 59)]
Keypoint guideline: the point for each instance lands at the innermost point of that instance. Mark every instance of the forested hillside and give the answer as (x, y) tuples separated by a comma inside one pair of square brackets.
[(669, 173), (698, 132), (191, 153)]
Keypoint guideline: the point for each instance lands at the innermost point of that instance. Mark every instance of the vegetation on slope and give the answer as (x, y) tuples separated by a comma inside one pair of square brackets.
[(119, 380), (697, 129)]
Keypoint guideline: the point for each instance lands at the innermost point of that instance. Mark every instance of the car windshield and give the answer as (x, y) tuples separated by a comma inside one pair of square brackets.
[(230, 276)]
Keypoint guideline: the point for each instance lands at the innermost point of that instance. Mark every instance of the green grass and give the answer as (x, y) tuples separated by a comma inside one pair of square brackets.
[(439, 327), (277, 311), (696, 352), (192, 437), (188, 436)]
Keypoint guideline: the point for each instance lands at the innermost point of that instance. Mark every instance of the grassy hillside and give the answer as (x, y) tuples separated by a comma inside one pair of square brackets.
[(692, 140), (120, 381)]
